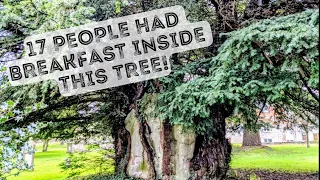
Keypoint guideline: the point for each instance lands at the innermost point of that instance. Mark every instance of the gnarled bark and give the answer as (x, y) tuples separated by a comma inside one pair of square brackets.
[(170, 152), (122, 146), (212, 155)]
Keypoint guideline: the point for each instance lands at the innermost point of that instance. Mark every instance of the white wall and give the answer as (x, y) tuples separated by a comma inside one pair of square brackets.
[(276, 135)]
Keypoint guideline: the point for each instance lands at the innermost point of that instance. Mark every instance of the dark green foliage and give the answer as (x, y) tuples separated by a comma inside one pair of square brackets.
[(257, 64)]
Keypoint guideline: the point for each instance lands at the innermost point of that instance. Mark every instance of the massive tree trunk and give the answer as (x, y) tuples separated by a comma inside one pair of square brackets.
[(251, 138), (152, 149)]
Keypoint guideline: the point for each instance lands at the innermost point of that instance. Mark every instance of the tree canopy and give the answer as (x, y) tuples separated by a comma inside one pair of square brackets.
[(274, 60)]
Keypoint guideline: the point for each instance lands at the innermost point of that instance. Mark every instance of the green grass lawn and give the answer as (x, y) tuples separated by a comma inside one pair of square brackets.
[(287, 158), (46, 164)]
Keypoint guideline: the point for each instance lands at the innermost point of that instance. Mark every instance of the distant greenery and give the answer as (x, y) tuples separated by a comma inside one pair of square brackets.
[(94, 160), (288, 158)]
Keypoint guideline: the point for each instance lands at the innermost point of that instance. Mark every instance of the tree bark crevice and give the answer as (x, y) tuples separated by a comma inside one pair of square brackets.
[(144, 131), (167, 151), (122, 144)]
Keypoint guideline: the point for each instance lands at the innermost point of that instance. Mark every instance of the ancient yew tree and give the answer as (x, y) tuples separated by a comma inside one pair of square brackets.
[(175, 126)]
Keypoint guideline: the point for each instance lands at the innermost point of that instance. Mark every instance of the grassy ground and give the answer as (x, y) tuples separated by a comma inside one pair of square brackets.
[(46, 164), (288, 158)]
